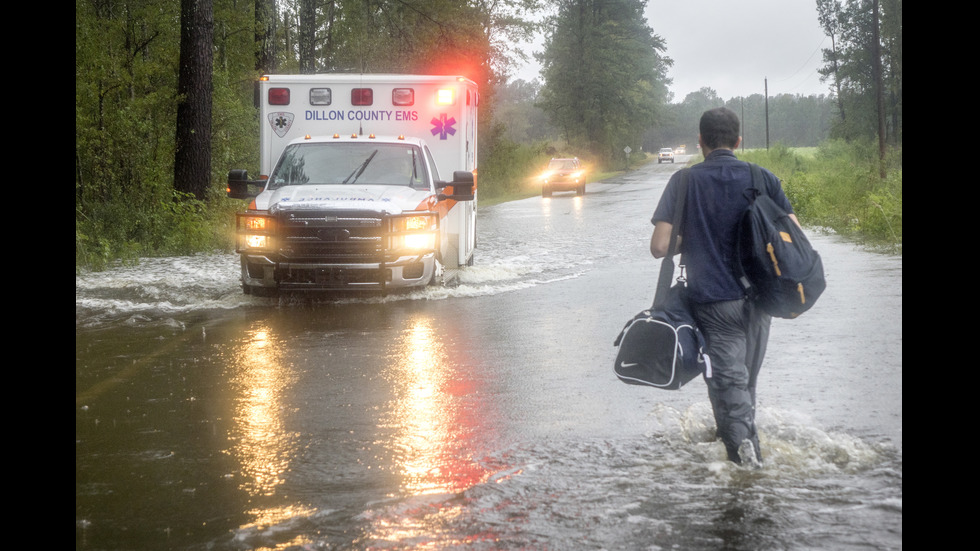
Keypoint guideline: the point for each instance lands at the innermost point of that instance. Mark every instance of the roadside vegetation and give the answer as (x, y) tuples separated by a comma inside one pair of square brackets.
[(837, 186)]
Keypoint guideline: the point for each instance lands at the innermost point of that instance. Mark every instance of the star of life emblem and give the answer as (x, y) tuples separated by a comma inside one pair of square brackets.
[(281, 121), (443, 126)]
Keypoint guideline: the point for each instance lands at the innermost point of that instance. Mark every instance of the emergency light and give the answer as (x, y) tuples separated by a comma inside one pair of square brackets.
[(403, 97), (445, 96), (320, 96), (278, 96), (362, 96)]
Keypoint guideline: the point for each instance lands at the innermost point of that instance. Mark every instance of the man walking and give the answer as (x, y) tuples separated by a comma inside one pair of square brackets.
[(735, 330)]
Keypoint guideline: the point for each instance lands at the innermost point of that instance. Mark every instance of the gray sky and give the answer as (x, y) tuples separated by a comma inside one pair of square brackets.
[(734, 46)]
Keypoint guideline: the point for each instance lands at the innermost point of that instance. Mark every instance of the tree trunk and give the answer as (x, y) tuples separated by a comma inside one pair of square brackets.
[(192, 159), (266, 20), (307, 37), (879, 84), (840, 97)]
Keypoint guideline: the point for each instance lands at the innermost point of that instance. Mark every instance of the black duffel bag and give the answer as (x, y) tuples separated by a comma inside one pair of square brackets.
[(662, 346)]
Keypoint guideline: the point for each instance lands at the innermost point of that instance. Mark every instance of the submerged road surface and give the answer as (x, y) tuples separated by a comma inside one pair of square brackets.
[(480, 416)]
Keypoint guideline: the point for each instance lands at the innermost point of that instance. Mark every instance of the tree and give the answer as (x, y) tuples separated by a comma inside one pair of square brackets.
[(125, 67), (605, 74), (865, 64), (307, 37), (516, 111), (266, 24), (192, 157), (829, 14), (879, 84)]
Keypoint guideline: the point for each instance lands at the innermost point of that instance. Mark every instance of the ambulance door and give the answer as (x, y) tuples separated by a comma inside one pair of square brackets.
[(467, 232)]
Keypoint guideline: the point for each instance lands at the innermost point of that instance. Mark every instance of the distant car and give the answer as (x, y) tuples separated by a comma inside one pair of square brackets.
[(666, 154), (680, 150), (563, 175)]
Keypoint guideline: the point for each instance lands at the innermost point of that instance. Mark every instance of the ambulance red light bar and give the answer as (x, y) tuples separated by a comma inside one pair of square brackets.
[(362, 96), (278, 96)]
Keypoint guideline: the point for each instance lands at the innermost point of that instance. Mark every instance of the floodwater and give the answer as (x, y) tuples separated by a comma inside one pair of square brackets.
[(483, 415)]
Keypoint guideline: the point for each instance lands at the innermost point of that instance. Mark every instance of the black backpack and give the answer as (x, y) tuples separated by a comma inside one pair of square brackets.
[(774, 261)]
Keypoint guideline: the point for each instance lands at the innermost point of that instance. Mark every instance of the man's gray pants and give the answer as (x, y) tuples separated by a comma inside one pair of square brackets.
[(737, 334)]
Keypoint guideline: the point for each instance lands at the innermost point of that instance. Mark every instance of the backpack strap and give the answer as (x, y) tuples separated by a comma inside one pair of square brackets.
[(667, 265), (758, 182), (758, 188)]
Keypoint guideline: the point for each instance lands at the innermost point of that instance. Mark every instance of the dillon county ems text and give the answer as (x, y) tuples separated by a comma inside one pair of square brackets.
[(352, 115)]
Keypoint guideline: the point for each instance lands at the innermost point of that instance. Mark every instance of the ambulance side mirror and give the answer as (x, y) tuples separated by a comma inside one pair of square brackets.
[(462, 187), (240, 187)]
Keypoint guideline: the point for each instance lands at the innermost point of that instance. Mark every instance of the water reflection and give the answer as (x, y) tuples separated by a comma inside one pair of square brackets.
[(263, 446), (432, 426), (434, 419), (563, 205)]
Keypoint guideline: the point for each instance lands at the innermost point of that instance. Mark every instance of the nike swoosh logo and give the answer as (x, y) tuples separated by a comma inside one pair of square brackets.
[(624, 364)]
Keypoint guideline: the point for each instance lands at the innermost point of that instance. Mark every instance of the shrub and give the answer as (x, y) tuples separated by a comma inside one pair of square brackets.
[(839, 187)]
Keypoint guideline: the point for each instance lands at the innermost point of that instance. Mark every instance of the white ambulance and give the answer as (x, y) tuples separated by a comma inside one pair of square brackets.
[(351, 194)]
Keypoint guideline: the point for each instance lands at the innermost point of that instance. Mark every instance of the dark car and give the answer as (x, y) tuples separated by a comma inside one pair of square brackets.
[(563, 175)]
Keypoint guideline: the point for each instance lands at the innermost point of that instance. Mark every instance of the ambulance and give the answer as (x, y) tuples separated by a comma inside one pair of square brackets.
[(368, 183)]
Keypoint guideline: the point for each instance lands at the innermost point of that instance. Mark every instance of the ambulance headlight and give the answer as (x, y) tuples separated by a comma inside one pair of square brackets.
[(414, 233), (257, 241), (254, 231)]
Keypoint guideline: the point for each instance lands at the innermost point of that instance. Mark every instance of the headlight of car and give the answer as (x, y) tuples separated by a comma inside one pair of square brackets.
[(254, 231), (414, 233)]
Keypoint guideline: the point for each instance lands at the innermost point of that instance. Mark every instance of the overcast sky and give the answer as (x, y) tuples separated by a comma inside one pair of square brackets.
[(733, 47)]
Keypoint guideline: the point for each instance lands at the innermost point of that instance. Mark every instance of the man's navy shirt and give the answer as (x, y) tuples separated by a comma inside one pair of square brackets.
[(716, 197)]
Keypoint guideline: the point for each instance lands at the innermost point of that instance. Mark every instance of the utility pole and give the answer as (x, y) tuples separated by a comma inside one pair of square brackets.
[(767, 113), (741, 101)]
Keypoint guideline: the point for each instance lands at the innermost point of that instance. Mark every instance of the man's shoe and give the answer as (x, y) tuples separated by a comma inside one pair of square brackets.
[(746, 453)]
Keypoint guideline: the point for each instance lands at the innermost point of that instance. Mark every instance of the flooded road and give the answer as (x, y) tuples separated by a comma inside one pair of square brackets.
[(480, 416)]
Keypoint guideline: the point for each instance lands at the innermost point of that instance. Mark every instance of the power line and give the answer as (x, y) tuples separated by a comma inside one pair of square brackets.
[(811, 74)]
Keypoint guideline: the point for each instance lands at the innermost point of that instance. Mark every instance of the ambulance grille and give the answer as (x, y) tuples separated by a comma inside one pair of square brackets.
[(331, 237)]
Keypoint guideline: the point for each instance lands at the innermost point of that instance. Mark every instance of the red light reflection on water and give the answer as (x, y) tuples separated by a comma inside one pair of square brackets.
[(434, 424), (437, 413)]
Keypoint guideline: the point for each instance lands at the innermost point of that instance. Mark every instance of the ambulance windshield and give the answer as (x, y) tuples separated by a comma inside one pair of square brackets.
[(342, 163)]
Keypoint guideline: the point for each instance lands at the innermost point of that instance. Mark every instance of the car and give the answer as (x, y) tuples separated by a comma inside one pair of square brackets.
[(666, 154), (566, 174), (680, 150)]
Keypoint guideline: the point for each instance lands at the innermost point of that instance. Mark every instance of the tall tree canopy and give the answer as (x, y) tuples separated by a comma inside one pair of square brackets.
[(400, 36), (850, 65), (605, 74)]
